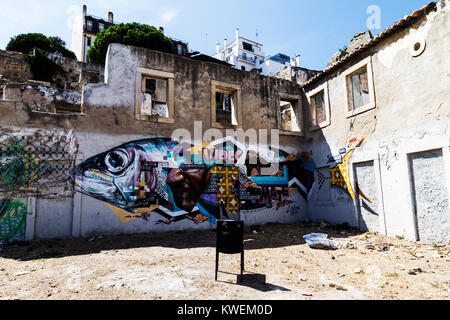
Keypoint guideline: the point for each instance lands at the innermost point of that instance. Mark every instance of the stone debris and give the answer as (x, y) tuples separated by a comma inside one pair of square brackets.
[(358, 271), (414, 271), (346, 245), (21, 273), (301, 277), (307, 294), (337, 287)]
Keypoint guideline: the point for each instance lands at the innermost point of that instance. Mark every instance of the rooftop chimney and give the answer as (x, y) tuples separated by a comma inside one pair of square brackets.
[(224, 43), (217, 48), (292, 62), (84, 10), (161, 29), (297, 61), (237, 35), (110, 17)]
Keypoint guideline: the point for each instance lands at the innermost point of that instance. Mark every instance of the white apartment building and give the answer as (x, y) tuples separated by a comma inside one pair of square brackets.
[(247, 55), (242, 53), (85, 28)]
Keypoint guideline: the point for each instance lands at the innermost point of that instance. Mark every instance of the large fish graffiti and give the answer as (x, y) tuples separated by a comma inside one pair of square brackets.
[(180, 181)]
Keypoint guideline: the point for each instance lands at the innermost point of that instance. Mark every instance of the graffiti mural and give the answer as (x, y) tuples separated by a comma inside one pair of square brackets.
[(340, 174), (197, 182)]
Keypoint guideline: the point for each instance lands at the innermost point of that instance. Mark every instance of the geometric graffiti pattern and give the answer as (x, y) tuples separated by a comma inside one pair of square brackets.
[(321, 179), (225, 187)]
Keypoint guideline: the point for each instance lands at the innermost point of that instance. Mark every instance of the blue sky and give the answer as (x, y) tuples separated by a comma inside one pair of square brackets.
[(315, 30)]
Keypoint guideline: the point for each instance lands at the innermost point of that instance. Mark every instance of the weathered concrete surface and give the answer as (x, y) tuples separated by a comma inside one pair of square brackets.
[(430, 196)]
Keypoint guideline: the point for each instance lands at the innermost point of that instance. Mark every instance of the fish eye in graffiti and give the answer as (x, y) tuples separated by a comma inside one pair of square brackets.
[(116, 161)]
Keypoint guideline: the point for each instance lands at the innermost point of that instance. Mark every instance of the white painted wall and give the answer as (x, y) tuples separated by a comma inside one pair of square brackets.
[(411, 114)]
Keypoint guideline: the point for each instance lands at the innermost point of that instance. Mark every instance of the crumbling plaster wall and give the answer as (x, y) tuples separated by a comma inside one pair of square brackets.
[(412, 114), (192, 91), (43, 98)]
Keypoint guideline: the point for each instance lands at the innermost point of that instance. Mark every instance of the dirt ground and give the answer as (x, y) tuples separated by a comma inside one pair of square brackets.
[(180, 265)]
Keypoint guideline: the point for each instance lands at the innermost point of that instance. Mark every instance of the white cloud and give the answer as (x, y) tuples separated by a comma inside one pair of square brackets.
[(168, 15)]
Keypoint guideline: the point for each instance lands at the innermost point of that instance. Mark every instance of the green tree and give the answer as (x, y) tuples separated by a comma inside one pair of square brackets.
[(59, 45), (27, 42), (133, 34)]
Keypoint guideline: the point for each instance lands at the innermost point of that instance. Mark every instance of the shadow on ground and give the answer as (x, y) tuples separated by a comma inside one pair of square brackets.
[(256, 237), (255, 281)]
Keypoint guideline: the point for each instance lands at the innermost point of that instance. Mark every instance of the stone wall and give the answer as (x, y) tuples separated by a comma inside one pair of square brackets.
[(14, 67), (73, 74)]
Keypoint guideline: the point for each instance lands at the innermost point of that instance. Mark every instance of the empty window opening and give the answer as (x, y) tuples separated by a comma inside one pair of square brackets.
[(225, 107), (360, 88), (289, 120), (317, 109), (155, 97)]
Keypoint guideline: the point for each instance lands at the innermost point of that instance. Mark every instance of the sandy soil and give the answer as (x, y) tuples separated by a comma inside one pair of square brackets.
[(180, 265)]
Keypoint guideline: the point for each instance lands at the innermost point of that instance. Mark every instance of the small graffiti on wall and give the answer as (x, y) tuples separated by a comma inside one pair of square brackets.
[(340, 173), (13, 216), (196, 182)]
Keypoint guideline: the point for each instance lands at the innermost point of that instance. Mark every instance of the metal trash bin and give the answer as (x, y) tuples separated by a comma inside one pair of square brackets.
[(230, 240)]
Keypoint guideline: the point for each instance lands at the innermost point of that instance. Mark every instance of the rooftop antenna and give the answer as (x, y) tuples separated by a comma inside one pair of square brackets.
[(257, 36), (206, 41)]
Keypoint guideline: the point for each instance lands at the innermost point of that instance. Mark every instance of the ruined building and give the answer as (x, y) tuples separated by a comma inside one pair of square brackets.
[(157, 144)]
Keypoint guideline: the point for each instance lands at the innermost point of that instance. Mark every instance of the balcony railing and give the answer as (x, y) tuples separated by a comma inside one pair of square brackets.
[(252, 60)]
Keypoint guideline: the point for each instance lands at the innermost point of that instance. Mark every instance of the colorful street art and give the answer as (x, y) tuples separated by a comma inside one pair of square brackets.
[(18, 169), (13, 216), (340, 174), (197, 182)]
